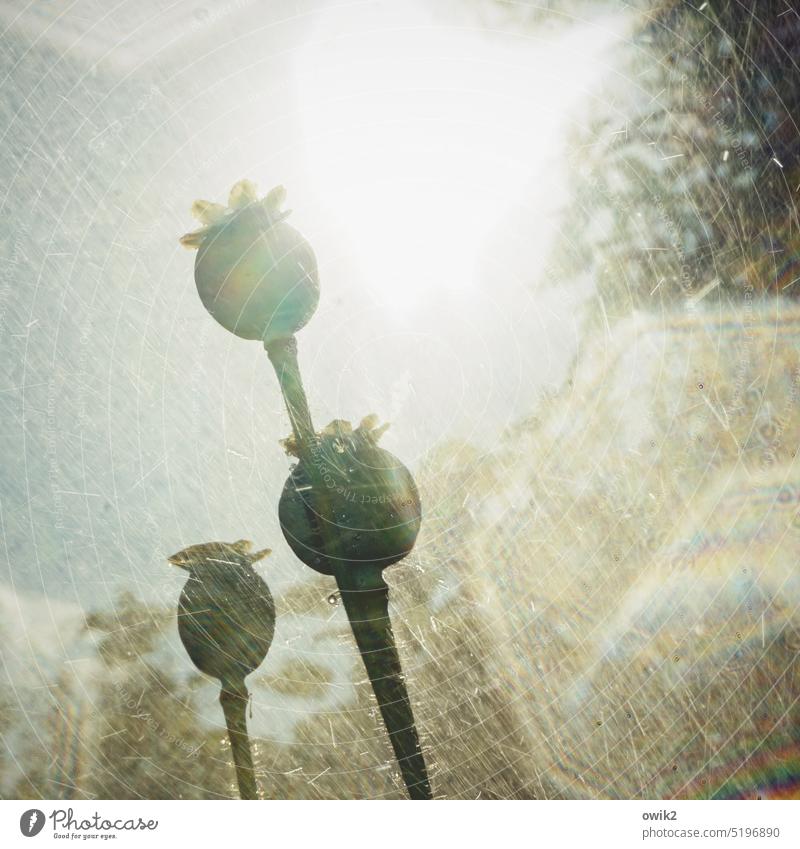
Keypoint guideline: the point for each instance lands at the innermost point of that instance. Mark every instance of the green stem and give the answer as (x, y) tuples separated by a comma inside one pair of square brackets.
[(366, 599), (234, 697), (283, 356), (364, 594)]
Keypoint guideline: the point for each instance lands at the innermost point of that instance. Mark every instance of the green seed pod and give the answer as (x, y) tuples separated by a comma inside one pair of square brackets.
[(352, 504), (255, 274)]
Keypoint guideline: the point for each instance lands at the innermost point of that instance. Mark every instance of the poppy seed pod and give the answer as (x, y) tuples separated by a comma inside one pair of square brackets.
[(350, 504), (255, 274), (226, 621), (226, 615)]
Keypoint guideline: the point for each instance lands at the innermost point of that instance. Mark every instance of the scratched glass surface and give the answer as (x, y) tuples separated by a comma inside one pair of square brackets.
[(558, 252)]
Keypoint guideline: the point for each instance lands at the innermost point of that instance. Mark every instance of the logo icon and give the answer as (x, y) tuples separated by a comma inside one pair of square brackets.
[(31, 822)]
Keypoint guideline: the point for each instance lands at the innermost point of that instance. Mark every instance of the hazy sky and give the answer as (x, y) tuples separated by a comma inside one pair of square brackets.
[(423, 158)]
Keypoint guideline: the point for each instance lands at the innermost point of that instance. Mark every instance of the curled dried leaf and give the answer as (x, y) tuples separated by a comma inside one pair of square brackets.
[(369, 422), (242, 193), (338, 427), (207, 212), (194, 239), (290, 446), (368, 430), (275, 199)]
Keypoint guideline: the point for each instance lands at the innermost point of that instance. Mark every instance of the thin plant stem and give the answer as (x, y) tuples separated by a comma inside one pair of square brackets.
[(283, 356), (364, 593), (234, 697), (368, 610)]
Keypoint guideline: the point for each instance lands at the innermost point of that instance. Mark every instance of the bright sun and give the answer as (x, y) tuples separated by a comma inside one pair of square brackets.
[(419, 138)]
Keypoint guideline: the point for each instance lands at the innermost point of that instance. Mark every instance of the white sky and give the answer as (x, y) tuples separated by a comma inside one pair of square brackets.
[(428, 170), (423, 158)]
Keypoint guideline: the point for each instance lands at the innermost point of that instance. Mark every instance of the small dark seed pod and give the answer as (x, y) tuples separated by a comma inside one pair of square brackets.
[(226, 615)]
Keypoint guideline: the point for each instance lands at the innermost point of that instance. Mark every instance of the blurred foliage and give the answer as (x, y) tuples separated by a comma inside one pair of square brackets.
[(146, 740), (684, 167)]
